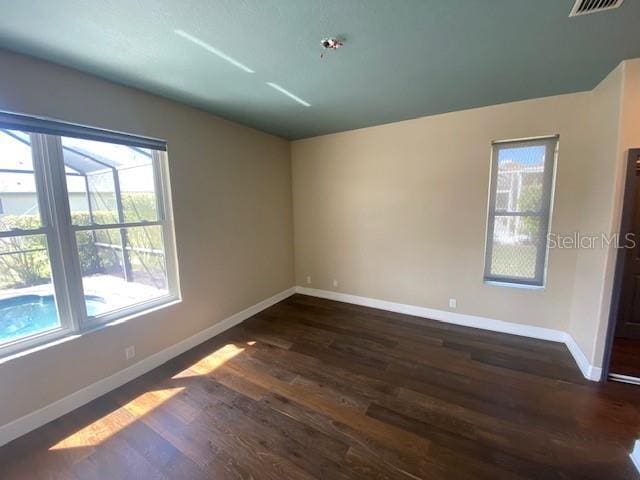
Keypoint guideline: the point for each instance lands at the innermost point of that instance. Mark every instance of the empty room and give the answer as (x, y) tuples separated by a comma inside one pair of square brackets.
[(320, 239)]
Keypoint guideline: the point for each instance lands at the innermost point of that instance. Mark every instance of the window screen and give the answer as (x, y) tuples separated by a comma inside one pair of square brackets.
[(520, 198)]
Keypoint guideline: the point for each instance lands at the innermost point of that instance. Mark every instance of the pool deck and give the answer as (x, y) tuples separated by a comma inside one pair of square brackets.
[(115, 291)]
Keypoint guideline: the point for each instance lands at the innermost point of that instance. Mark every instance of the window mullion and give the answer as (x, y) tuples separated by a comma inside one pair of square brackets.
[(67, 264), (506, 213), (110, 226), (491, 208), (165, 215), (551, 153), (158, 180), (17, 233)]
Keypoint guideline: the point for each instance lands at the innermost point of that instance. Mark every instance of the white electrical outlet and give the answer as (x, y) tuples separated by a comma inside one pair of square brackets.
[(309, 280), (130, 352), (453, 303), (335, 283)]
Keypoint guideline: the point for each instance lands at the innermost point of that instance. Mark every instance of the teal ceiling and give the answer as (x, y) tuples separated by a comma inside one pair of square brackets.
[(402, 58)]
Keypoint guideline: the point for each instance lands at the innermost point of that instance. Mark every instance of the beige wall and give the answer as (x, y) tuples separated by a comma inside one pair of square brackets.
[(397, 212), (231, 190), (630, 123), (626, 80), (597, 185), (613, 129)]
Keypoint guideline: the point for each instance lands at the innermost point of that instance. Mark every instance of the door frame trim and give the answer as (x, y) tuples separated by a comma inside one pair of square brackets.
[(626, 221)]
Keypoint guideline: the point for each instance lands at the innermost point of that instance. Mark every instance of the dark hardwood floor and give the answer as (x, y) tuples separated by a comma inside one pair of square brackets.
[(625, 357), (315, 389)]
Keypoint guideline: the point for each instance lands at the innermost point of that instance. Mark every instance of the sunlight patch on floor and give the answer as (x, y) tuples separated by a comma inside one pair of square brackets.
[(102, 429), (109, 425), (211, 362)]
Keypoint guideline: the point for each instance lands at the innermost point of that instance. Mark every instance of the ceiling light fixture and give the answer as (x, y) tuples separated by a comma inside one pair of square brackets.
[(331, 43), (211, 49), (288, 94)]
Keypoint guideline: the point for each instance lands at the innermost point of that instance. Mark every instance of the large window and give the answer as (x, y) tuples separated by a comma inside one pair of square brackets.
[(520, 199), (86, 233)]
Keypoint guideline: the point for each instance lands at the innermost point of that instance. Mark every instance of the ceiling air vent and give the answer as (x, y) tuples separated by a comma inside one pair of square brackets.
[(582, 7)]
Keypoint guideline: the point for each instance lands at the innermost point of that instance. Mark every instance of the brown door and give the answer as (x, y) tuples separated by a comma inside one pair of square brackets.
[(628, 324)]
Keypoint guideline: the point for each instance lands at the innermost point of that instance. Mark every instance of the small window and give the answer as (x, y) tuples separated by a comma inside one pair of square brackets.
[(86, 232), (520, 199)]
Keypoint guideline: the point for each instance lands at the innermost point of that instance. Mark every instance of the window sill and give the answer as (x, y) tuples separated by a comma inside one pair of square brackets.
[(495, 283), (125, 314), (65, 336)]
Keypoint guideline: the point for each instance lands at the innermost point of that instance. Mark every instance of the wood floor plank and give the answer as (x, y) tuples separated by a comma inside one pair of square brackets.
[(317, 389), (211, 394), (393, 456)]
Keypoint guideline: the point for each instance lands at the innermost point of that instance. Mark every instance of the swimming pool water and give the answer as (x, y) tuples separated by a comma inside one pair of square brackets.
[(28, 314)]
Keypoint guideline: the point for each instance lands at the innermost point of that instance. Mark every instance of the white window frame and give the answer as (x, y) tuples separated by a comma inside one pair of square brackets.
[(551, 144), (53, 201)]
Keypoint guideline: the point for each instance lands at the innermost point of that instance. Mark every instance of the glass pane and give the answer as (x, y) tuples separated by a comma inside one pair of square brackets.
[(27, 300), (114, 278), (18, 197), (92, 190), (520, 178), (515, 246), (138, 195)]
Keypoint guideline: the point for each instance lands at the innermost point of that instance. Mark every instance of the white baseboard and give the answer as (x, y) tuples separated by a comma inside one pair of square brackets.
[(635, 455), (46, 414), (442, 315), (589, 371)]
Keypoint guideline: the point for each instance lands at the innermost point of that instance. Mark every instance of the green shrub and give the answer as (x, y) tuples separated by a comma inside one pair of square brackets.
[(24, 260)]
